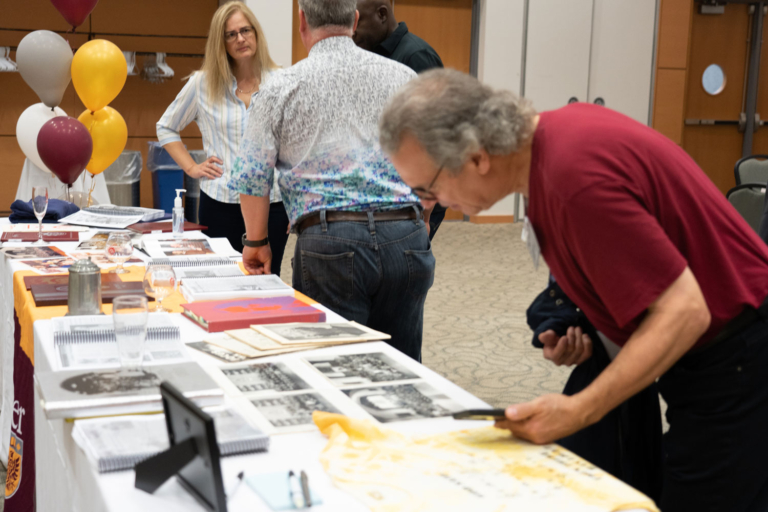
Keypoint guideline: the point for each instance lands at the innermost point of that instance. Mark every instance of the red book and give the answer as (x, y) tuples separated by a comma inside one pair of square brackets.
[(163, 227), (48, 236), (56, 295), (30, 281), (225, 315)]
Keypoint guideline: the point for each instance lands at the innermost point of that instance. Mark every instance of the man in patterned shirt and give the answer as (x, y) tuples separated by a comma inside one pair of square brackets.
[(363, 248)]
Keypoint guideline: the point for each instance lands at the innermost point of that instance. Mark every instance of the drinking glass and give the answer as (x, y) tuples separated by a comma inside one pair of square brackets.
[(118, 249), (130, 316), (40, 206), (159, 282)]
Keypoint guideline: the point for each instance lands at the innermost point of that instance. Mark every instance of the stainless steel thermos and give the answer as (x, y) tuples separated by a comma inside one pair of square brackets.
[(84, 296)]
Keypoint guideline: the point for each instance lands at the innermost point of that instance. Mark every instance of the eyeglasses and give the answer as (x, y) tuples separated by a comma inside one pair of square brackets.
[(246, 32), (426, 193)]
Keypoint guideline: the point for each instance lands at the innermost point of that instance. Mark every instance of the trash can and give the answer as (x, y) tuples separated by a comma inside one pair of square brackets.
[(123, 179), (166, 176), (192, 202)]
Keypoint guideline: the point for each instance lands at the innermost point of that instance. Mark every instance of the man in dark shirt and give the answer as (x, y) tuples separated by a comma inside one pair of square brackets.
[(379, 32)]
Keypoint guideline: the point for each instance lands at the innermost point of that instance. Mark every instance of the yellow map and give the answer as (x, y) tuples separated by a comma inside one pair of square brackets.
[(481, 469)]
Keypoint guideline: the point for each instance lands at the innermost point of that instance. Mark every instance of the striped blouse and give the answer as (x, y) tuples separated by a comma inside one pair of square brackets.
[(221, 124)]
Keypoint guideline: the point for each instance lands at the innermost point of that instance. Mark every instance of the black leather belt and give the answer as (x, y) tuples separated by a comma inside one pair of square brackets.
[(333, 216), (739, 323)]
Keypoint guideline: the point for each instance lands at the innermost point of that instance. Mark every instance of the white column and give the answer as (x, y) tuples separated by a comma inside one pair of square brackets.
[(276, 18), (500, 59)]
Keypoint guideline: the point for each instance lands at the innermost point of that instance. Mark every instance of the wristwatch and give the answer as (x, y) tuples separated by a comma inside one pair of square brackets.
[(256, 243)]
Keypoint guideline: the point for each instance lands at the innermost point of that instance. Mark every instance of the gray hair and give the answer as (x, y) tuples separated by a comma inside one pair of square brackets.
[(322, 13), (453, 115)]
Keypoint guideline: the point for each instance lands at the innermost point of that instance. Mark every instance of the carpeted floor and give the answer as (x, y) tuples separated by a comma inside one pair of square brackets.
[(474, 321)]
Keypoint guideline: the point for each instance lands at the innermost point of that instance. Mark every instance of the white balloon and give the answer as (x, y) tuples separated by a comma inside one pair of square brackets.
[(28, 127)]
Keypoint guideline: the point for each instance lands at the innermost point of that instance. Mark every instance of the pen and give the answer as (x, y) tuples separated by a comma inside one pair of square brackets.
[(236, 485), (294, 488), (305, 489)]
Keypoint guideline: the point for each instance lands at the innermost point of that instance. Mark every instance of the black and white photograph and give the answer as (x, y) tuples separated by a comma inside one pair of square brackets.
[(75, 393), (403, 402), (219, 353), (284, 412), (265, 378), (319, 332), (359, 369)]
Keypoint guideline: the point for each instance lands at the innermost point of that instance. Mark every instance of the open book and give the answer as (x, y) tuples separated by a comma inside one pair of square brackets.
[(117, 443)]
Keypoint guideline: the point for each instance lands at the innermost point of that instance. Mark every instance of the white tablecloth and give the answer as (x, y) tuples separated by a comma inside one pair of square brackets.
[(67, 481)]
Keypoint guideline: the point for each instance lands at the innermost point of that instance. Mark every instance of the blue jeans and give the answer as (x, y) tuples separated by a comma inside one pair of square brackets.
[(375, 273)]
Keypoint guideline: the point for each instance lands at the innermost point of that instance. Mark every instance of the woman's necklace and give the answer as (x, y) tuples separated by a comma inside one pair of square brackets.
[(240, 91)]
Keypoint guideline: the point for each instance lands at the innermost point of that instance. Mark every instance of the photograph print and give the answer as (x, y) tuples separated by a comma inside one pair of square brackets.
[(359, 369), (319, 332), (16, 253), (185, 247), (403, 402), (219, 353), (265, 378), (50, 265), (287, 411)]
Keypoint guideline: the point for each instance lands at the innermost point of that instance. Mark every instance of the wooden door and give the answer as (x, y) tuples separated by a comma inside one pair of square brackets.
[(622, 56), (721, 39), (558, 52)]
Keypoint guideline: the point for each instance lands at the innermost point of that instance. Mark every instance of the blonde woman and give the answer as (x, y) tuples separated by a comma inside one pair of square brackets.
[(218, 98)]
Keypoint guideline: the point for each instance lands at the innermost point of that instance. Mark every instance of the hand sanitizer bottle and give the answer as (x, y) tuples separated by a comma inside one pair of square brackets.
[(178, 215)]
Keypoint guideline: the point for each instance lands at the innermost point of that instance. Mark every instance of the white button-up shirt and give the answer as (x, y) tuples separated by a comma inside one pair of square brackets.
[(221, 124)]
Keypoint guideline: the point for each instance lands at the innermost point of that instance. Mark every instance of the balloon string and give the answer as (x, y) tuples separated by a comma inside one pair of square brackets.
[(93, 186)]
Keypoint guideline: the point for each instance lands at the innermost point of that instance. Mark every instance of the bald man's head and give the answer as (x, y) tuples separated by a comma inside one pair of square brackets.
[(377, 22)]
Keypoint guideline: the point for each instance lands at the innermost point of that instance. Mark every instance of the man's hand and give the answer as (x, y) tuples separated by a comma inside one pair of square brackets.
[(573, 348), (546, 419), (207, 169), (257, 260)]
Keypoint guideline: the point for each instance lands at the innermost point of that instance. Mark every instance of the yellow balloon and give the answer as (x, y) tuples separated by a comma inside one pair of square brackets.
[(109, 133), (99, 71)]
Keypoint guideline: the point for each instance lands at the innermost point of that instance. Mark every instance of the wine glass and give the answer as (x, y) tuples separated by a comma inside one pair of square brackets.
[(130, 314), (159, 282), (118, 249), (40, 206)]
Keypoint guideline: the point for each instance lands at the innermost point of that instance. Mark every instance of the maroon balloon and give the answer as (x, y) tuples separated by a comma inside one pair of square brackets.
[(65, 147), (75, 11)]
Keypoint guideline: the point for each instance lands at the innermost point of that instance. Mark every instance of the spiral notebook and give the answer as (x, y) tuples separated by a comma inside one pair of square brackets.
[(191, 262), (88, 342), (119, 443), (101, 329), (147, 214)]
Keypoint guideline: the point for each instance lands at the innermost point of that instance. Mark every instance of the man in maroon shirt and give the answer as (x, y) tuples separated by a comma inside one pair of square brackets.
[(643, 242)]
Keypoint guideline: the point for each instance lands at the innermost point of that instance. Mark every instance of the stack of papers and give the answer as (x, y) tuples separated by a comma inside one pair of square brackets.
[(269, 340)]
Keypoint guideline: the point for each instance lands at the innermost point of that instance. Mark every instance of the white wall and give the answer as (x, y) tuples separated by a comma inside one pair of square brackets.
[(500, 58), (276, 18)]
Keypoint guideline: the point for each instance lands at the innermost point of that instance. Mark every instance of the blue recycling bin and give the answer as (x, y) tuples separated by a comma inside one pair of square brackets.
[(167, 176)]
